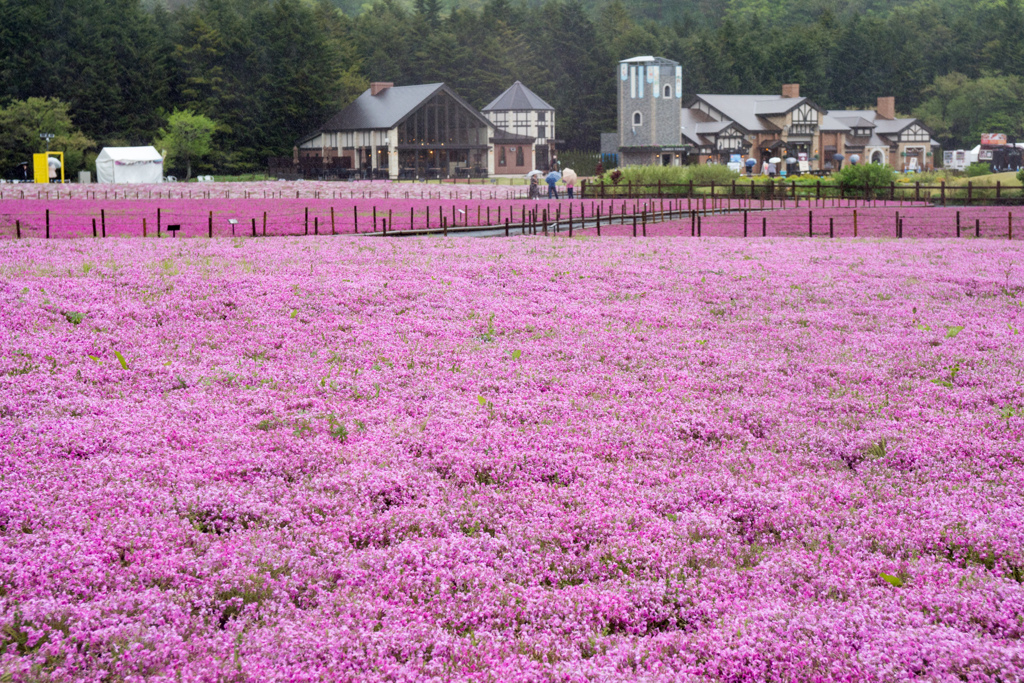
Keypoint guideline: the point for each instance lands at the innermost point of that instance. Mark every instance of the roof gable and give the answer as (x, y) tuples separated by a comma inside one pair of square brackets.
[(518, 98), (389, 108)]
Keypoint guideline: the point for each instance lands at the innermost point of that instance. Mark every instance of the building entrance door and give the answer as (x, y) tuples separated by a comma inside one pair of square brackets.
[(542, 158)]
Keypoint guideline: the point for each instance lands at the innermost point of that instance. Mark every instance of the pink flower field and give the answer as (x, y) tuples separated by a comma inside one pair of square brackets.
[(526, 459)]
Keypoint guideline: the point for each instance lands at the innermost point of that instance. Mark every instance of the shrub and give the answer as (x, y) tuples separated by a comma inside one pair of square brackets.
[(650, 176), (1020, 176), (978, 168), (870, 175), (704, 174)]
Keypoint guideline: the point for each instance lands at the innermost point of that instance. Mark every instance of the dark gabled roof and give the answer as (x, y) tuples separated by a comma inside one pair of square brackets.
[(390, 107), (832, 123), (713, 127), (690, 120), (852, 121), (518, 98), (503, 137)]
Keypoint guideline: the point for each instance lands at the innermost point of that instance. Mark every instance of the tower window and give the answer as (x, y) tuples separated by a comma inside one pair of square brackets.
[(668, 91), (637, 119)]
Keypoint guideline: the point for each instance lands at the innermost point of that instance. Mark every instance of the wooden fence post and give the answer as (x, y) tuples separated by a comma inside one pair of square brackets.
[(103, 221), (47, 224)]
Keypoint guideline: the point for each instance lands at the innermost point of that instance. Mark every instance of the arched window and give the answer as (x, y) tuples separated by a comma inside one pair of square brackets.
[(668, 91), (876, 158), (638, 119)]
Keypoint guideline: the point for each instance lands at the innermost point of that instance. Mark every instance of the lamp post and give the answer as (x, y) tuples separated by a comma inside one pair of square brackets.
[(47, 137)]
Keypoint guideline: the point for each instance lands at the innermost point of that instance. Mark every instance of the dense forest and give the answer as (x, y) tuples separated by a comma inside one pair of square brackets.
[(269, 71)]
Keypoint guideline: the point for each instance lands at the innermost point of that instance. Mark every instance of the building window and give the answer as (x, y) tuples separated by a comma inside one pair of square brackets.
[(519, 156), (501, 156), (542, 131), (541, 116), (668, 93), (637, 119)]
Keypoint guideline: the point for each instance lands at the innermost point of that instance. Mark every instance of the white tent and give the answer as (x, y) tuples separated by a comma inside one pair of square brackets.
[(129, 165)]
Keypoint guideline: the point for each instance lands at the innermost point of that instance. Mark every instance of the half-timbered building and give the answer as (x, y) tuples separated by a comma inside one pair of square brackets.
[(877, 136), (414, 131), (525, 131)]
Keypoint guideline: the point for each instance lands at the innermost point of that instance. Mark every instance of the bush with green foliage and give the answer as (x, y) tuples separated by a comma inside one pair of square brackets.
[(21, 122), (867, 175), (652, 176), (188, 137), (705, 174), (1020, 176), (978, 168)]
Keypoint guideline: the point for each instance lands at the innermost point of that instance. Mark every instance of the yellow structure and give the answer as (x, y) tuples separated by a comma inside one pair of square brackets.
[(41, 166)]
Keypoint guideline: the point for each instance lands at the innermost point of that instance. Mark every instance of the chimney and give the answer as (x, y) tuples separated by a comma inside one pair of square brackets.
[(379, 87), (886, 108), (791, 90)]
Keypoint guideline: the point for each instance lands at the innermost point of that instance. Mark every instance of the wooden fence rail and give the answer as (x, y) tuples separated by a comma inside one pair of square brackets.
[(781, 189)]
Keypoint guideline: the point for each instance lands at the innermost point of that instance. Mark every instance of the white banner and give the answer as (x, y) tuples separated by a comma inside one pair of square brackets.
[(632, 82), (624, 71), (656, 80), (640, 81), (679, 81)]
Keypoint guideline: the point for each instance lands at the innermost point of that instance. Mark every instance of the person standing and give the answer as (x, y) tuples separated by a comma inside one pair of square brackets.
[(552, 189), (569, 186)]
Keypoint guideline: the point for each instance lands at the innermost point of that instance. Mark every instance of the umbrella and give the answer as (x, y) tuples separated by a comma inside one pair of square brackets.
[(569, 175), (838, 157), (553, 177), (751, 162), (774, 160), (854, 158), (534, 172), (54, 161)]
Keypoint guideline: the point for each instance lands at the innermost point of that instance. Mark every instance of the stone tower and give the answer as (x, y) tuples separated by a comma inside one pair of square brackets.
[(650, 110)]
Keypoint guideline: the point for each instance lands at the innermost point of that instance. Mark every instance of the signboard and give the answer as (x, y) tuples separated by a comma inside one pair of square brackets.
[(802, 163), (993, 139)]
